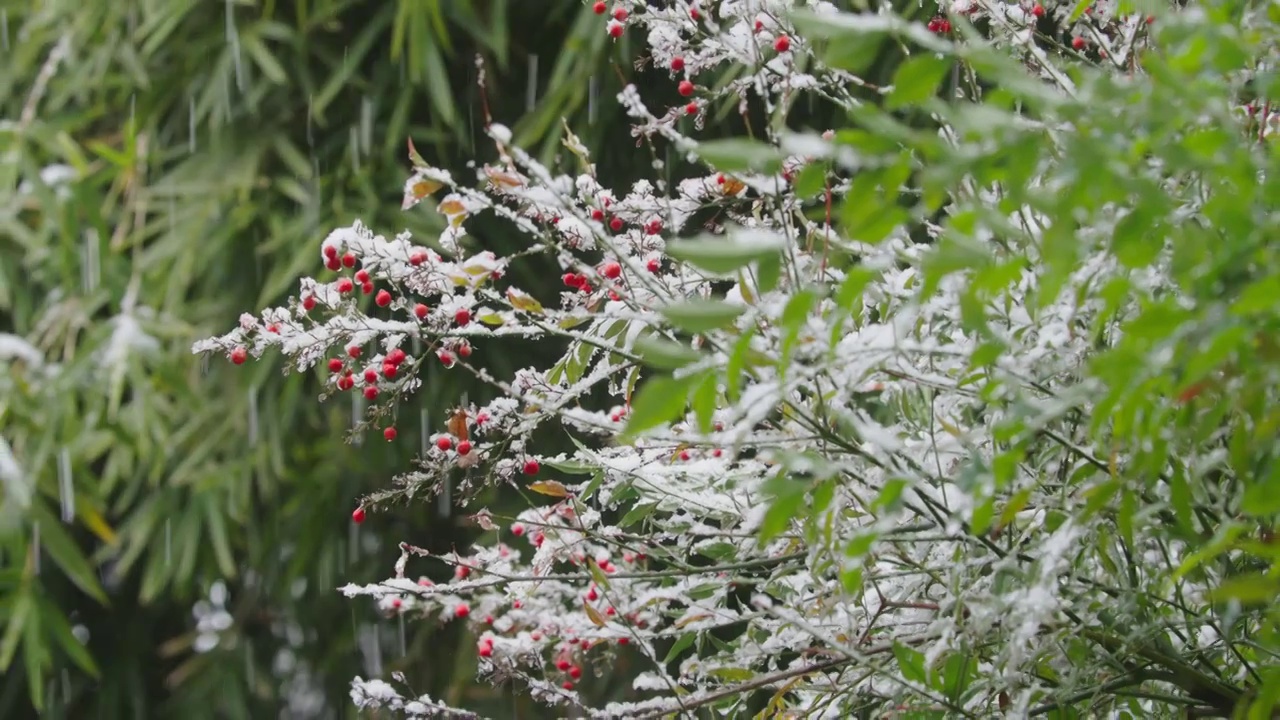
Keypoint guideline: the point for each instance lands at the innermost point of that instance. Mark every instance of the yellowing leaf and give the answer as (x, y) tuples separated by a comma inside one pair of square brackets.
[(97, 525), (416, 189), (452, 206), (503, 179), (521, 300), (415, 157), (732, 186), (493, 319), (550, 487), (682, 622), (458, 425), (596, 618)]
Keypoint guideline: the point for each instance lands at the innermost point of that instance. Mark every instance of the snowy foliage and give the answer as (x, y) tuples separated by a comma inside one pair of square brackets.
[(936, 421)]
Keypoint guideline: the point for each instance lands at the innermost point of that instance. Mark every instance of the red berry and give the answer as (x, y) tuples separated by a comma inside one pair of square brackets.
[(517, 529), (653, 227), (677, 63), (684, 455), (610, 611), (481, 418), (345, 285), (446, 358), (611, 270), (464, 349), (562, 664), (759, 25), (654, 265), (346, 382), (362, 276), (370, 392), (485, 650), (309, 303), (575, 672), (389, 371), (333, 263), (461, 610), (531, 467), (1038, 11), (462, 317), (615, 30), (539, 539), (366, 288), (592, 595), (1078, 43), (599, 8), (464, 448), (624, 641), (695, 15), (335, 365), (782, 44), (389, 434), (357, 516), (445, 443), (720, 178), (348, 260), (331, 251), (370, 376), (488, 619), (570, 279), (417, 258), (354, 351), (691, 108), (620, 14), (597, 214), (461, 572), (567, 685), (685, 88), (615, 224), (717, 452), (239, 355), (383, 298), (420, 311), (396, 356)]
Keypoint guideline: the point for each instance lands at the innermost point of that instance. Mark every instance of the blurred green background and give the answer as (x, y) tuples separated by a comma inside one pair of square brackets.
[(169, 164)]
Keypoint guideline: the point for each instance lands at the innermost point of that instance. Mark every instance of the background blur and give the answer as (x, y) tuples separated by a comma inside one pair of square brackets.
[(172, 531)]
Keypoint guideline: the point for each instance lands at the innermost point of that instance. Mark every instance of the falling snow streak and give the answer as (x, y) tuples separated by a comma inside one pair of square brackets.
[(531, 90), (66, 489), (253, 416), (593, 90)]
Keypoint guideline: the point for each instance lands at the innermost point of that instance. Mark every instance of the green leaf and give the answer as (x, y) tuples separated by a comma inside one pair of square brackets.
[(1252, 589), (724, 254), (917, 80), (684, 642), (704, 403), (739, 154), (768, 273), (659, 401), (1079, 10), (636, 514), (811, 180), (22, 607), (57, 625), (699, 316), (665, 354), (911, 663), (62, 548)]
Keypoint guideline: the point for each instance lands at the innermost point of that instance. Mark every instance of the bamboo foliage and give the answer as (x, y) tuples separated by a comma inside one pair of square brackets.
[(168, 162)]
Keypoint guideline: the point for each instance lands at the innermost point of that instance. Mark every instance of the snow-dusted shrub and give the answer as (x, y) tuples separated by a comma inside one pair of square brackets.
[(966, 409)]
